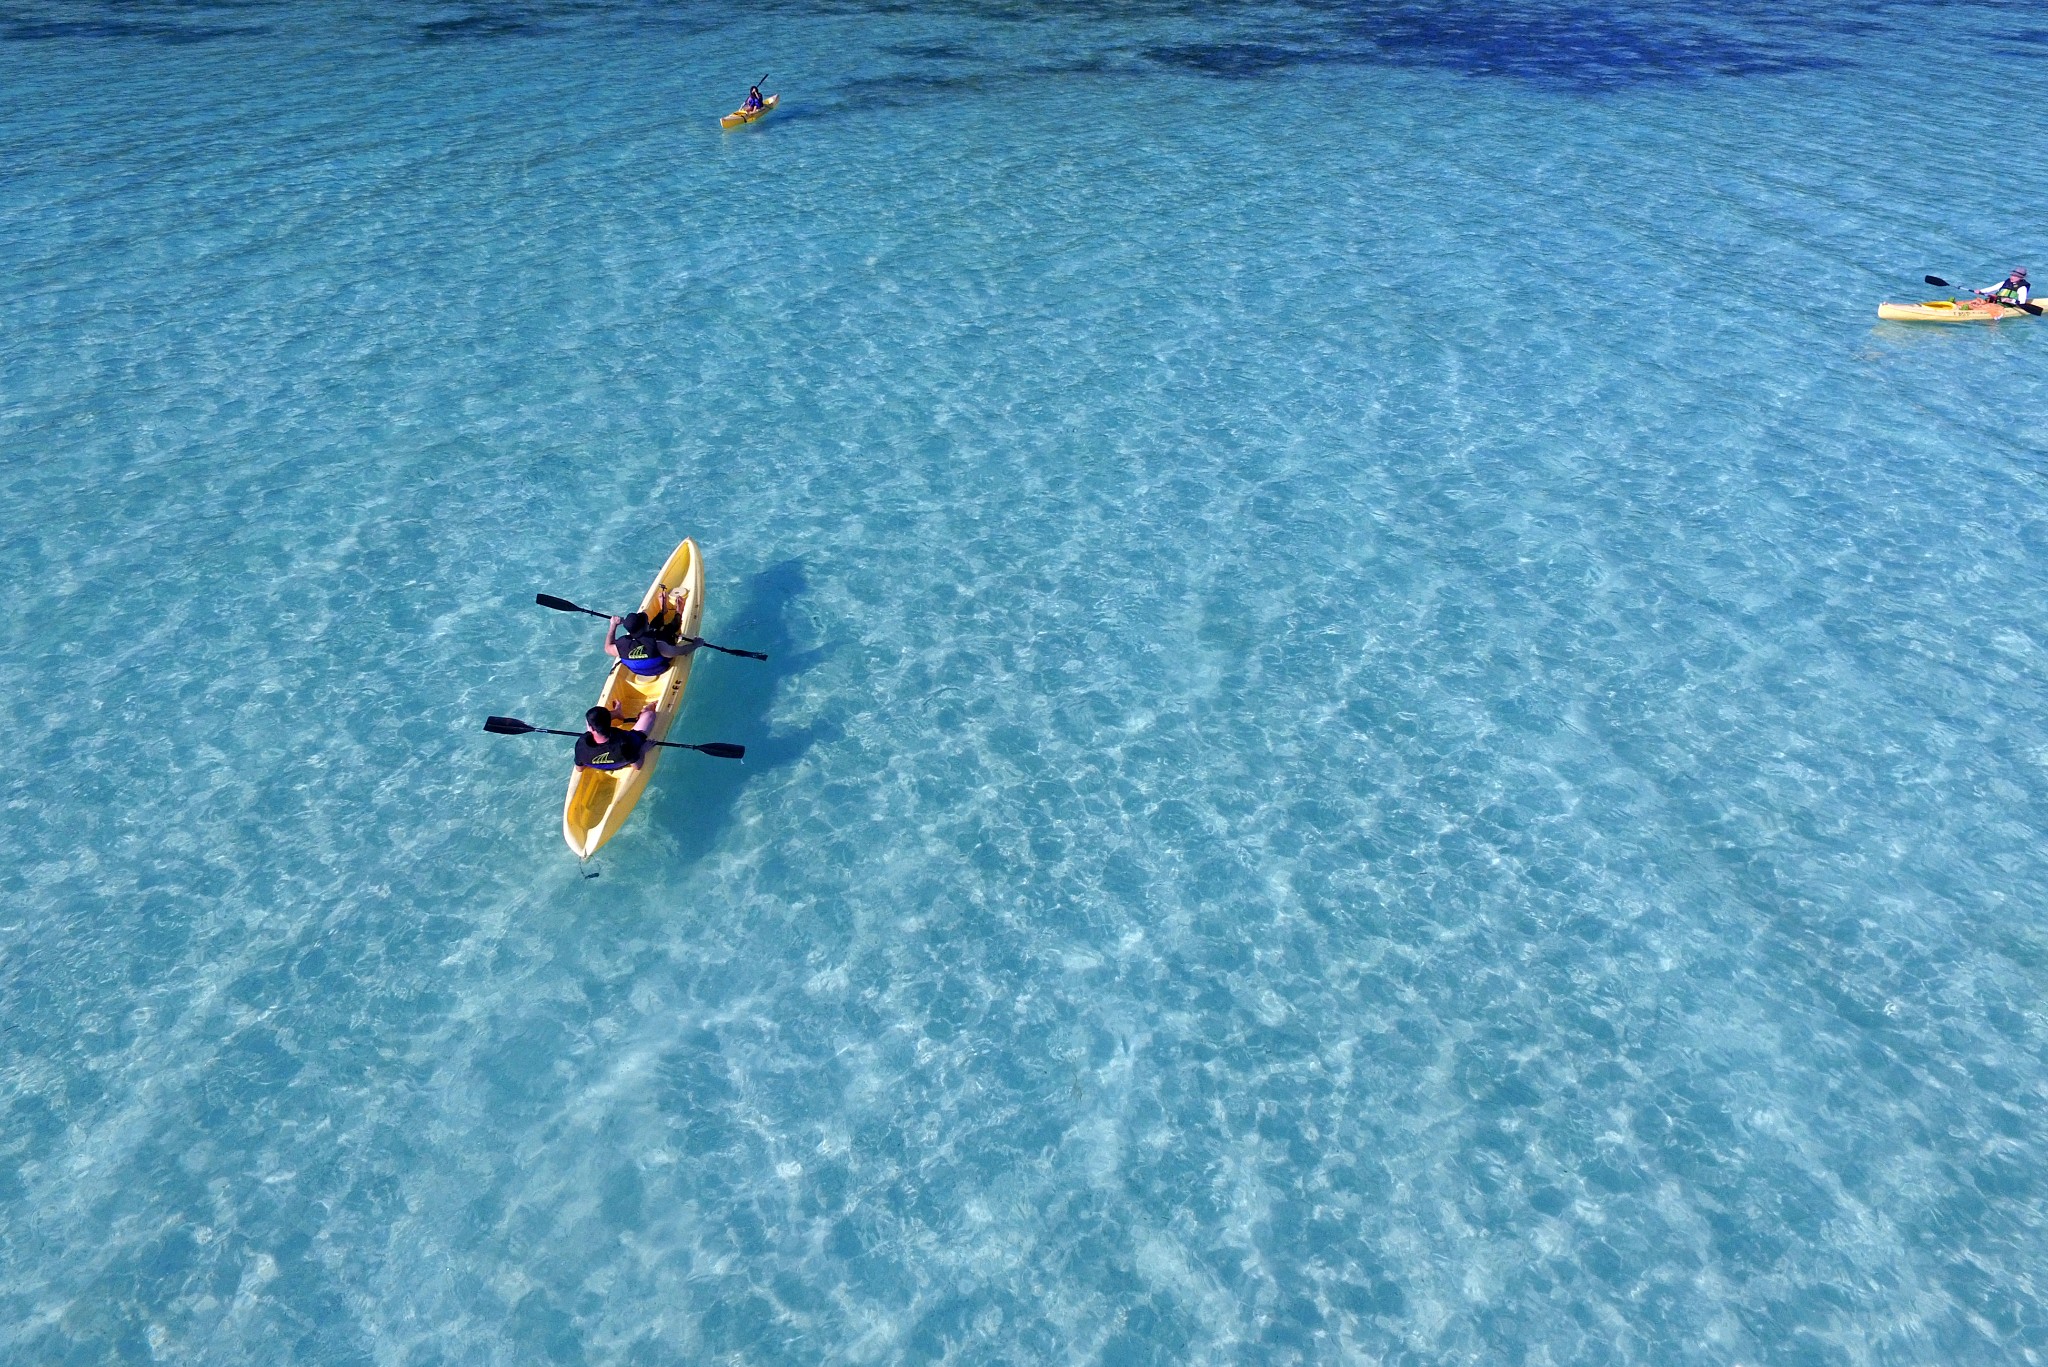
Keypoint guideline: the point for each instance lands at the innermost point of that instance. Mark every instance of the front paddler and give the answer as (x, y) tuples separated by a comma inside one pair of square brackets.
[(2012, 291), (640, 646)]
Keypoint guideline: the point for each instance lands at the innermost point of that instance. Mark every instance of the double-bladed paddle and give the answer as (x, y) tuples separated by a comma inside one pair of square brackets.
[(548, 600), (1942, 284), (512, 726)]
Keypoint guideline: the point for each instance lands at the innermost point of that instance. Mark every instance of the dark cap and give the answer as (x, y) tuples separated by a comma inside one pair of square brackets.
[(636, 622)]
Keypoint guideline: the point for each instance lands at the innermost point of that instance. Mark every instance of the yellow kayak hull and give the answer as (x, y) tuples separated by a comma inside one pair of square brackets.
[(600, 801), (739, 118), (1949, 311)]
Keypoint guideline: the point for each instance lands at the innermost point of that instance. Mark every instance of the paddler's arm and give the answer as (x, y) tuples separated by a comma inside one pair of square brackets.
[(611, 637), (642, 727)]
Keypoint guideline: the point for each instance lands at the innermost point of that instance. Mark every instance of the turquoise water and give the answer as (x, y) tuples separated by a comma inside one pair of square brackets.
[(1398, 731)]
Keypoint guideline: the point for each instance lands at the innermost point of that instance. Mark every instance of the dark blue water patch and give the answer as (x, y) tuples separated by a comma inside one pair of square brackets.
[(907, 87), (1602, 46), (1240, 60), (911, 87), (174, 23), (483, 25), (930, 52), (180, 22), (1571, 45), (131, 30), (1582, 46), (962, 72)]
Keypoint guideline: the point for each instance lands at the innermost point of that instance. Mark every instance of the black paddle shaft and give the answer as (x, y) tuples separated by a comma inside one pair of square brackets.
[(512, 726), (548, 600)]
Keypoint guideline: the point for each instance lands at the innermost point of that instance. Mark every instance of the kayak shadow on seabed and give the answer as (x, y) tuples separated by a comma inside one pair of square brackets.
[(730, 699)]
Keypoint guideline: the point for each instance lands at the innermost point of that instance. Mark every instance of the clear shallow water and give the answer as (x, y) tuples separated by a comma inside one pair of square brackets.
[(1297, 813)]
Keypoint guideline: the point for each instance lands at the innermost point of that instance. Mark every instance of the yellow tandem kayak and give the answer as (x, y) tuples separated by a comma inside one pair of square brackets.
[(1949, 311), (741, 117), (600, 801)]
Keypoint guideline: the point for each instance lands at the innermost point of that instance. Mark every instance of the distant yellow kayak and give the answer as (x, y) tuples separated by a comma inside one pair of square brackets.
[(600, 800), (739, 117), (1949, 311)]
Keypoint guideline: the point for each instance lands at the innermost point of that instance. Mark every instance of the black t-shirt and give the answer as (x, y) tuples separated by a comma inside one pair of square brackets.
[(624, 748)]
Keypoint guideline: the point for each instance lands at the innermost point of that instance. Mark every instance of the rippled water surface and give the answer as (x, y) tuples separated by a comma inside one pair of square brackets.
[(1398, 731)]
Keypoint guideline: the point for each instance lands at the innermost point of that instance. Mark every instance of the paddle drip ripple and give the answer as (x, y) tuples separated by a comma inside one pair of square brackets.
[(1396, 730)]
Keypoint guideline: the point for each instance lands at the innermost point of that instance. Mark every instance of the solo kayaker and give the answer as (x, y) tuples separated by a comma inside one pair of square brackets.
[(605, 744), (634, 643), (753, 100), (2011, 290)]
